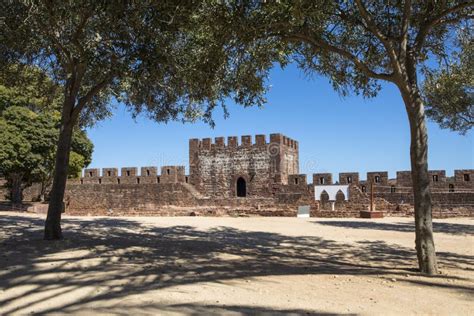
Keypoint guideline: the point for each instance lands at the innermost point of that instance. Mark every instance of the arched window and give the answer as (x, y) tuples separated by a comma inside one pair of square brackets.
[(340, 197), (324, 200), (241, 187)]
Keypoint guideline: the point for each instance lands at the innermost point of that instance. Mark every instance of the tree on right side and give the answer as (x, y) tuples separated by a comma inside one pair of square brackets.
[(359, 44), (449, 91)]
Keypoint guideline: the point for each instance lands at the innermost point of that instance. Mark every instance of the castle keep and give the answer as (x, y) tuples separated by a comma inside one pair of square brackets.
[(255, 176), (242, 169)]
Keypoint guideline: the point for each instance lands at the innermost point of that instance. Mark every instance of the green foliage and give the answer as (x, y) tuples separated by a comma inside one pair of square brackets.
[(160, 58), (24, 139), (28, 87), (28, 146), (82, 145), (449, 91), (76, 164)]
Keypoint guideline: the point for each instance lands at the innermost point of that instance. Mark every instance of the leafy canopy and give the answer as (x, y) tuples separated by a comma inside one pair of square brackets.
[(158, 57), (29, 104), (28, 145), (357, 44), (449, 91)]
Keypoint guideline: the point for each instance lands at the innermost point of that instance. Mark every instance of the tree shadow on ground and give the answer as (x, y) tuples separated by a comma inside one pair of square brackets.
[(446, 228), (100, 253), (199, 309)]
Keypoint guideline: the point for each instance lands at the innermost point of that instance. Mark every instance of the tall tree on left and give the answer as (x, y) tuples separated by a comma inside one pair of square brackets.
[(151, 55), (29, 112)]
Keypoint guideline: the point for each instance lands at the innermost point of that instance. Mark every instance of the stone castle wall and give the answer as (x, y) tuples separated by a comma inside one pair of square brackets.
[(269, 169)]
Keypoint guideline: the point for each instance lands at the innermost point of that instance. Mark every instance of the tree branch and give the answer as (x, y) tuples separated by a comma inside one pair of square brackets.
[(369, 22), (404, 29), (75, 38), (60, 48), (344, 53), (87, 98), (428, 25), (383, 38)]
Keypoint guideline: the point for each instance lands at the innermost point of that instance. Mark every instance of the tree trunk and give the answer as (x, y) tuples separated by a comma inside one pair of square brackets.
[(424, 241), (52, 230), (16, 189)]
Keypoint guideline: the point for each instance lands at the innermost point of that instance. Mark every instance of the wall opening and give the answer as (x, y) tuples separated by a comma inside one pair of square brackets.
[(349, 179), (138, 180), (340, 197), (186, 179), (118, 180), (82, 181), (90, 173), (322, 180), (435, 178), (467, 177), (100, 181), (324, 200), (451, 188), (128, 173), (377, 179), (296, 180), (363, 188), (392, 189), (167, 171), (158, 179), (241, 187), (109, 173), (147, 172)]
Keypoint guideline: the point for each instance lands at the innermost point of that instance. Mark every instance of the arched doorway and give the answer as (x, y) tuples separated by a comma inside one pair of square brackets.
[(241, 187)]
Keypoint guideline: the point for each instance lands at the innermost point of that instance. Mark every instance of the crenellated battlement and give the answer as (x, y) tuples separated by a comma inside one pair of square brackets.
[(174, 174), (463, 178), (245, 141), (130, 175)]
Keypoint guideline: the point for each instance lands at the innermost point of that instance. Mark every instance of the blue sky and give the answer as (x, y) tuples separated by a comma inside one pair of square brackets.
[(335, 134)]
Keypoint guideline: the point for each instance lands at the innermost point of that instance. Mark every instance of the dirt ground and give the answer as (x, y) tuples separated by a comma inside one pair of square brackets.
[(213, 266)]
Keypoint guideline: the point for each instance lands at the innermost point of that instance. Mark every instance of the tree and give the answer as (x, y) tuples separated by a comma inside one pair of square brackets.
[(27, 149), (152, 55), (80, 157), (358, 44), (25, 140), (449, 91), (16, 155), (28, 87), (31, 89)]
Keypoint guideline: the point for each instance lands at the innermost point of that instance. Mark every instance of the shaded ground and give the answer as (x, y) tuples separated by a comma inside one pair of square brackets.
[(196, 265)]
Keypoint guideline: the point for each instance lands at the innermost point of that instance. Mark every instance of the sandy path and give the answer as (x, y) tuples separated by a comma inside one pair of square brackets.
[(196, 265)]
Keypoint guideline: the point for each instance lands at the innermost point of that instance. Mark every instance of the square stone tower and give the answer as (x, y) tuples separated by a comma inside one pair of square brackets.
[(248, 169)]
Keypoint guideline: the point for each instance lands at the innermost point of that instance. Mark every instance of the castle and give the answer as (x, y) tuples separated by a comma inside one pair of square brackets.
[(256, 176)]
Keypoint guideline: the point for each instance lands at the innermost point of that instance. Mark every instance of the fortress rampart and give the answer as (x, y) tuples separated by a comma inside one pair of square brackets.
[(252, 175), (462, 179), (130, 175)]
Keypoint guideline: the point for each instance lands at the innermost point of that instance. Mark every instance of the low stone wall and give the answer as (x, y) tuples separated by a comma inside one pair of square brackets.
[(182, 199), (171, 199), (125, 199)]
